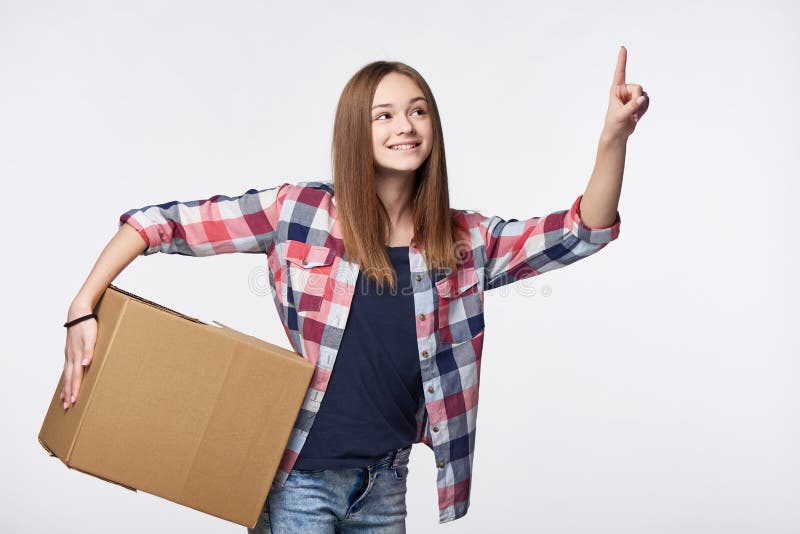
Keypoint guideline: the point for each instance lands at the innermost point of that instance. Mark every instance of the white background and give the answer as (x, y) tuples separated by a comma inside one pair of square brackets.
[(653, 391)]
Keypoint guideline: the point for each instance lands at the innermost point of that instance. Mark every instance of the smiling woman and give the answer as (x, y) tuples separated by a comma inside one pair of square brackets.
[(391, 370)]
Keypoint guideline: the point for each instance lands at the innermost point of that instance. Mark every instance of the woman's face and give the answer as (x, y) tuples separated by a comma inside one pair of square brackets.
[(400, 117)]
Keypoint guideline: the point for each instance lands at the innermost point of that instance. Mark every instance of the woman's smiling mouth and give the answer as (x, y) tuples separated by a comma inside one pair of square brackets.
[(405, 147)]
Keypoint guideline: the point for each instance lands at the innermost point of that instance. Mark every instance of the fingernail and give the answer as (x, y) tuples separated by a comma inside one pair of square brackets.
[(85, 361), (73, 399), (640, 99), (61, 396), (65, 405)]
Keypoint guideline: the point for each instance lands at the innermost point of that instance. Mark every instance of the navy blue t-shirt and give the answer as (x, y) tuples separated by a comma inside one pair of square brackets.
[(370, 405)]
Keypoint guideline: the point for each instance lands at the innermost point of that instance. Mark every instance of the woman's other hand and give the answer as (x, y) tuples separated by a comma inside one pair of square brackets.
[(627, 103), (78, 353)]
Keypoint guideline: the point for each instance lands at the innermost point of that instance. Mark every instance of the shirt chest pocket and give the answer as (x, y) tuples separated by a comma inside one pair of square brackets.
[(308, 274), (460, 307)]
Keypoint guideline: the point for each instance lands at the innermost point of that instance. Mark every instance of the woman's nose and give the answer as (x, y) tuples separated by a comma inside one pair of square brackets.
[(404, 125)]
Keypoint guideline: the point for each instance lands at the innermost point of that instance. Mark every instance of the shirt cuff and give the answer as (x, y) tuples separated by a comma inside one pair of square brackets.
[(128, 218), (595, 236)]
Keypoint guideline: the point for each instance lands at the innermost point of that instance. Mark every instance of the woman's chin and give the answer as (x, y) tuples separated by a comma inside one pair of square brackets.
[(383, 171)]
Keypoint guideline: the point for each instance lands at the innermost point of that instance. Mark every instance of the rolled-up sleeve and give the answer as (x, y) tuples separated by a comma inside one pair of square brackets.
[(517, 249), (216, 225)]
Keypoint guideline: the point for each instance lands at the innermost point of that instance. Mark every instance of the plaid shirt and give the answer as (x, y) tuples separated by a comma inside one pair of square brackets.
[(296, 227)]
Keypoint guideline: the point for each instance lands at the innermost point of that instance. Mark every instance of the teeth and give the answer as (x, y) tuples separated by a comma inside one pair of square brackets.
[(403, 147)]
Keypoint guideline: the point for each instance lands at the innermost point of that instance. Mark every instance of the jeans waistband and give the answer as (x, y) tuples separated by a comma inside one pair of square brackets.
[(396, 458)]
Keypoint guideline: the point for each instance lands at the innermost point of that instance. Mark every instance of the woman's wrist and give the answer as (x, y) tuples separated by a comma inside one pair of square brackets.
[(612, 140), (78, 308)]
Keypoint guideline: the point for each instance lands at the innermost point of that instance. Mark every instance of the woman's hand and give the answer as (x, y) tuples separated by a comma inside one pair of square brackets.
[(627, 103), (78, 352)]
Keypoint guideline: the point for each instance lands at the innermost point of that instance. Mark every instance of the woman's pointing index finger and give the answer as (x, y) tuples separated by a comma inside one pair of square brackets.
[(619, 73)]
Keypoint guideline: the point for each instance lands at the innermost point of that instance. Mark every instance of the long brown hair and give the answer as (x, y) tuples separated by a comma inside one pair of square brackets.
[(363, 217)]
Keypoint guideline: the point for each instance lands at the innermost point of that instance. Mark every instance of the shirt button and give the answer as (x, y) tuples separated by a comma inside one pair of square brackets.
[(418, 278), (424, 353), (421, 316), (305, 261), (441, 463), (436, 429), (430, 389)]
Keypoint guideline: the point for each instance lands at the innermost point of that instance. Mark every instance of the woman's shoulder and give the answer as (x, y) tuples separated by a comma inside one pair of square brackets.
[(308, 193), (309, 190), (468, 217), (321, 184)]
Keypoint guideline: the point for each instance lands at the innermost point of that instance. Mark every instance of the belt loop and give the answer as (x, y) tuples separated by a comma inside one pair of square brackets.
[(401, 456)]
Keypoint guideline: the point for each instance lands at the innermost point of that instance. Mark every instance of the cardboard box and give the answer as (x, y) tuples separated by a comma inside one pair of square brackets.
[(191, 412)]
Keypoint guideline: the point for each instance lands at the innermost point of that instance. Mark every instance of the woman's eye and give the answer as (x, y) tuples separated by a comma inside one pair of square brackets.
[(418, 109)]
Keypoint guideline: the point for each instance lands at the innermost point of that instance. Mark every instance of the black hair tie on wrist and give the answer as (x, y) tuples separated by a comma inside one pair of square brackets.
[(79, 319)]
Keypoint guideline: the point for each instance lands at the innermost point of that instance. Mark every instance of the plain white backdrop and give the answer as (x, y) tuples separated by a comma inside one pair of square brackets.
[(650, 388)]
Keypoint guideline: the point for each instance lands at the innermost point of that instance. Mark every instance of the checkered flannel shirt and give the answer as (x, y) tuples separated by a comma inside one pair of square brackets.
[(296, 226)]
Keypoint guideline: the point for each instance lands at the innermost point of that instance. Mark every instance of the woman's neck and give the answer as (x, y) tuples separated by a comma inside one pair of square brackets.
[(397, 194)]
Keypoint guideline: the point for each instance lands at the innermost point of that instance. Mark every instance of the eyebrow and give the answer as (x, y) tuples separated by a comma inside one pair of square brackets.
[(410, 102)]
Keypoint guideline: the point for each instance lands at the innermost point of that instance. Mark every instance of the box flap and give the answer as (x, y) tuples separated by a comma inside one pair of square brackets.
[(156, 305)]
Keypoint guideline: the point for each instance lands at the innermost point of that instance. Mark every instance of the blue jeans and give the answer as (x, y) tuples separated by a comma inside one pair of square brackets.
[(360, 499)]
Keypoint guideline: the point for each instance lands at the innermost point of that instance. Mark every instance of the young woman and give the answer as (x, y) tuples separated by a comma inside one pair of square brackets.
[(375, 273)]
